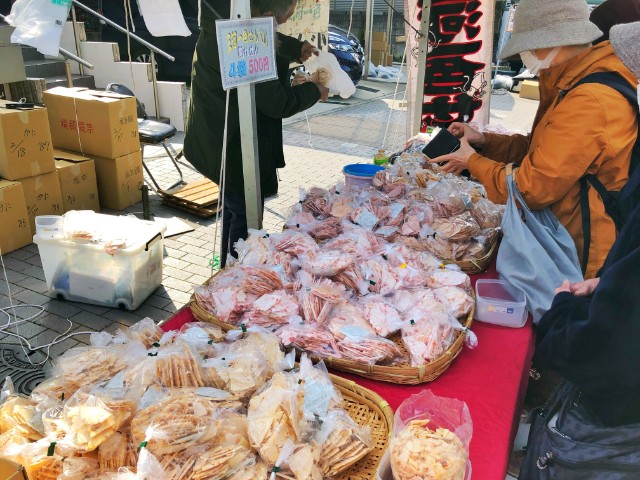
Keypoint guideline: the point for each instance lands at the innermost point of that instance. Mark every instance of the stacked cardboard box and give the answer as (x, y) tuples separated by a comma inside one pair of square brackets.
[(380, 49), (104, 127), (27, 166), (78, 182)]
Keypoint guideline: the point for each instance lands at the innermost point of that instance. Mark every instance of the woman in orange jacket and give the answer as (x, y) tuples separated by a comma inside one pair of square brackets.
[(591, 130)]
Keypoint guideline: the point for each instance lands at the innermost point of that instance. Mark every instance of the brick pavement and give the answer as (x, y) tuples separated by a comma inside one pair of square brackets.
[(346, 134)]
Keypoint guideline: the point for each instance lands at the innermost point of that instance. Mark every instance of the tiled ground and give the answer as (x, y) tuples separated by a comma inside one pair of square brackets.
[(339, 134)]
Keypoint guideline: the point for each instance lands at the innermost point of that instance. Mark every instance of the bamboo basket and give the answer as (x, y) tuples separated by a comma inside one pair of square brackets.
[(404, 374), (366, 408), (478, 265)]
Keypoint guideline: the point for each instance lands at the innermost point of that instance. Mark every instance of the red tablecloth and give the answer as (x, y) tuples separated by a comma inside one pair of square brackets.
[(491, 379)]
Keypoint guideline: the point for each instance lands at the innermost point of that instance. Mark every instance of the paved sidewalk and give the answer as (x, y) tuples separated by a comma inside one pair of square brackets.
[(335, 135)]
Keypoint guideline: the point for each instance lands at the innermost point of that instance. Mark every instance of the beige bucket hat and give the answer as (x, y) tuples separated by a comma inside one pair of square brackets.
[(548, 24)]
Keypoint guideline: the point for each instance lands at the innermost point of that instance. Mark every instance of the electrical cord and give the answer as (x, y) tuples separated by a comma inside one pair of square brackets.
[(24, 341)]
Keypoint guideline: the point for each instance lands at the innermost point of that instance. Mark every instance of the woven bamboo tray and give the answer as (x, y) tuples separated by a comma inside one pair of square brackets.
[(478, 265), (366, 408), (403, 374)]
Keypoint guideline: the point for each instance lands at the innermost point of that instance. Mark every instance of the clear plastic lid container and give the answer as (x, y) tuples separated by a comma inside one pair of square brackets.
[(500, 303)]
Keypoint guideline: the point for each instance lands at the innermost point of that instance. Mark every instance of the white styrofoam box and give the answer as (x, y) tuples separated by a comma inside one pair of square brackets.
[(83, 270), (172, 99), (500, 303)]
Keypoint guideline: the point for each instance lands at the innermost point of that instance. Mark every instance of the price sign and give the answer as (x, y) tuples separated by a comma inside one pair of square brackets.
[(247, 51)]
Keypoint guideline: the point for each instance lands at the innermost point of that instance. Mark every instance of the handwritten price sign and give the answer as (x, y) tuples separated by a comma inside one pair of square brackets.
[(247, 51)]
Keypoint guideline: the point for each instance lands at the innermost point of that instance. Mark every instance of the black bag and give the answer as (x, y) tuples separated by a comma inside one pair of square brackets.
[(618, 205), (567, 443)]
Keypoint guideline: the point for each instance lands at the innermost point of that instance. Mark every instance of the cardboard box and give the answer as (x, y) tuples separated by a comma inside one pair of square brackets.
[(530, 89), (103, 124), (379, 45), (78, 183), (379, 36), (119, 180), (15, 232), (378, 58), (25, 143), (11, 470), (43, 196)]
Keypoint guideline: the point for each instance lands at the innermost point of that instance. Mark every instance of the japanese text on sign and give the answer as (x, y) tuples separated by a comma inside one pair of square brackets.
[(309, 22), (247, 51)]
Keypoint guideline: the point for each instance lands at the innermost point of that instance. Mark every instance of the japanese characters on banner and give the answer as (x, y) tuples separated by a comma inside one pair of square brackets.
[(457, 80), (309, 22), (247, 51)]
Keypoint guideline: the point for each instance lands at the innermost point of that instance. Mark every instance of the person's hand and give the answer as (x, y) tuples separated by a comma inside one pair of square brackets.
[(456, 162), (473, 136), (565, 287), (324, 92), (308, 50), (586, 288)]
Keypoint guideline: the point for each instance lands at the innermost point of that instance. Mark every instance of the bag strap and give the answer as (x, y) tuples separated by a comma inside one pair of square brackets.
[(615, 81)]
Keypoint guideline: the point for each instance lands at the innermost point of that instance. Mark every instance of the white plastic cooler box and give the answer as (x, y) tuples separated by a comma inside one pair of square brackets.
[(78, 266)]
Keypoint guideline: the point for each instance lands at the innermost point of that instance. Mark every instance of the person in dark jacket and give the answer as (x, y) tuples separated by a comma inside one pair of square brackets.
[(614, 12), (591, 334), (275, 100)]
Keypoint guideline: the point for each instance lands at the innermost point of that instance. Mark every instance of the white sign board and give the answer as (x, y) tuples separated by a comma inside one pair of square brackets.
[(247, 51), (309, 22)]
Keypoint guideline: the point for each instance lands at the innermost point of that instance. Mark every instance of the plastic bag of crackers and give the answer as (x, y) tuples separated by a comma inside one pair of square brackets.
[(430, 440)]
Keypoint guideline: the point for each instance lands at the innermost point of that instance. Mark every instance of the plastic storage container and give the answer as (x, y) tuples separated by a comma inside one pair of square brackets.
[(359, 174), (500, 303), (79, 264)]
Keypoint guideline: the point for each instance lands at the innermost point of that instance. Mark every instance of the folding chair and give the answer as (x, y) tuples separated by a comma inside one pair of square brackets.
[(153, 133)]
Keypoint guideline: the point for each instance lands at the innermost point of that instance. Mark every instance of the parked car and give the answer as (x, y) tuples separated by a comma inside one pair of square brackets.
[(347, 49)]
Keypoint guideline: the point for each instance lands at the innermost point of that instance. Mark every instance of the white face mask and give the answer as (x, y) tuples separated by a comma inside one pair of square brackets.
[(534, 64)]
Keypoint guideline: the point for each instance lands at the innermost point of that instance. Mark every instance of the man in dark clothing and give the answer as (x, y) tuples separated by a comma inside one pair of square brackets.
[(591, 334), (275, 100)]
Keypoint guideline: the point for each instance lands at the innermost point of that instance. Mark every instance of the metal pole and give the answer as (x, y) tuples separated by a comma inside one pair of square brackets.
[(248, 136), (389, 24), (367, 37), (423, 45), (123, 30), (154, 78), (75, 36), (67, 54)]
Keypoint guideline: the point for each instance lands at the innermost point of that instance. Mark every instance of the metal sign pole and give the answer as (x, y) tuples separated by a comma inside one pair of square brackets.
[(241, 9), (423, 47), (367, 37)]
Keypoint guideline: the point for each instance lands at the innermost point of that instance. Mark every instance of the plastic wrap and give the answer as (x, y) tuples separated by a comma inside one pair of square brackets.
[(44, 460), (310, 338), (448, 277), (274, 417), (119, 450), (75, 468), (359, 345), (201, 336), (317, 391), (325, 263), (448, 200), (318, 299), (382, 316), (342, 442), (89, 421), (293, 242), (228, 303), (431, 438), (457, 228), (272, 310), (382, 278), (457, 301), (254, 469), (261, 280), (487, 214), (12, 443), (259, 339), (240, 374), (180, 421), (145, 331), (20, 414)]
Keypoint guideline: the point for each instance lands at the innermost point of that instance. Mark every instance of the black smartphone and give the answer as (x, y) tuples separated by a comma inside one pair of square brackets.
[(443, 143)]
